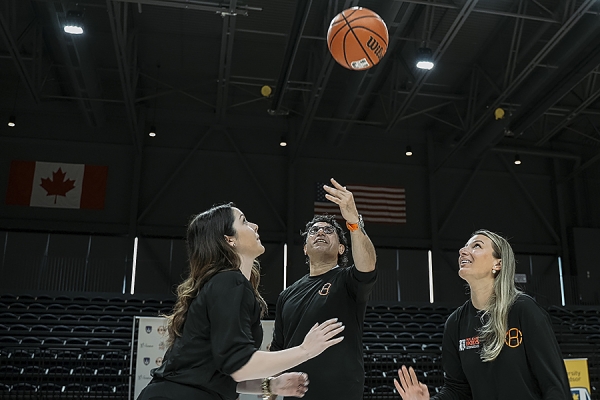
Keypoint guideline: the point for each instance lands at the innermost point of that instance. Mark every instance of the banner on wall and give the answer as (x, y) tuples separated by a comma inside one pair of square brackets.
[(151, 346), (56, 185), (579, 378)]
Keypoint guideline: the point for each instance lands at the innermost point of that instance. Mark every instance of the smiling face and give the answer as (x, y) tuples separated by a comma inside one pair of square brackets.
[(477, 259), (246, 240), (322, 241)]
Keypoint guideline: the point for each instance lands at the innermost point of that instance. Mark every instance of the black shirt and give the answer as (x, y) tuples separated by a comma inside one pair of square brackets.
[(221, 332), (337, 373), (529, 367)]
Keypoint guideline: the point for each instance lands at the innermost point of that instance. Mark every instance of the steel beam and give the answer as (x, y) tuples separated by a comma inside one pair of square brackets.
[(117, 15), (13, 49), (523, 75), (459, 21)]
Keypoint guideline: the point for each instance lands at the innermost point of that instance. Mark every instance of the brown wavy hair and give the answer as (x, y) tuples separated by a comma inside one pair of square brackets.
[(208, 254)]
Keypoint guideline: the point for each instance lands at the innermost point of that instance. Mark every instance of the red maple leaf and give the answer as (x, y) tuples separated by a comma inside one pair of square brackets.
[(58, 185)]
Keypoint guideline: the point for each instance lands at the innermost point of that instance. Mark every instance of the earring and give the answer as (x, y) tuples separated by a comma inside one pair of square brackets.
[(494, 271)]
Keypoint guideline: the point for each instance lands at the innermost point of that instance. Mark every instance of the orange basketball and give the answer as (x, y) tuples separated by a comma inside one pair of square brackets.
[(357, 38)]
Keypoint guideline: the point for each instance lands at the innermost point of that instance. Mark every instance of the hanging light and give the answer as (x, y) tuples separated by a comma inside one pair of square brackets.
[(409, 151), (425, 58), (74, 22), (152, 132), (517, 160), (282, 141), (12, 121)]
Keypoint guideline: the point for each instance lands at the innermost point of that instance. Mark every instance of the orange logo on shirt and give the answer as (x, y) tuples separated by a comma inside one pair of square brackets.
[(325, 289), (514, 337)]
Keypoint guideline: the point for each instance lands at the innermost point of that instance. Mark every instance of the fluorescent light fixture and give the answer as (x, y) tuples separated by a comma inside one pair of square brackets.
[(562, 283), (430, 259), (285, 256), (134, 265)]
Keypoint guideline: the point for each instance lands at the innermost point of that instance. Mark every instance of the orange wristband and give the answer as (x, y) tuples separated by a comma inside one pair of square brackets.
[(352, 227)]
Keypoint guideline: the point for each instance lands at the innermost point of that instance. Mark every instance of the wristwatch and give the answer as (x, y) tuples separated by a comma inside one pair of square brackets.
[(266, 388), (354, 227)]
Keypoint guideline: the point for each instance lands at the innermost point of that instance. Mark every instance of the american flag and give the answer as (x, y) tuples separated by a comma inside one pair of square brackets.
[(382, 204)]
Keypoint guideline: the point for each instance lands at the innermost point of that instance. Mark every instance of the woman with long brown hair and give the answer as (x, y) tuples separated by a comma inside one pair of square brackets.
[(215, 329)]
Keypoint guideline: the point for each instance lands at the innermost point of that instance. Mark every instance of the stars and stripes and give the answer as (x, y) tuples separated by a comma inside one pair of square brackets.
[(380, 204)]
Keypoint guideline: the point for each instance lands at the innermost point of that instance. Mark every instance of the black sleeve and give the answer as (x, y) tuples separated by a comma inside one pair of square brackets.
[(456, 386), (231, 306), (277, 342), (360, 284), (543, 353)]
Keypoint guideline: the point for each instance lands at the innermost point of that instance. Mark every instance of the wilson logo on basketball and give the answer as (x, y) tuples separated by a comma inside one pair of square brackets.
[(377, 49), (514, 337)]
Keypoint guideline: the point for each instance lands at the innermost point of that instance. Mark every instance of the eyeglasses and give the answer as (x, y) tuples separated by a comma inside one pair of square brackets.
[(328, 230)]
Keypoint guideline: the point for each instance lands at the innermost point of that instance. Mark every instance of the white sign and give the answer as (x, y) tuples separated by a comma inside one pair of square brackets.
[(267, 339), (152, 344), (151, 347)]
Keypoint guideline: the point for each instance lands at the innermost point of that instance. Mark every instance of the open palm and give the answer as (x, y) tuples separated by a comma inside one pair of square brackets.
[(409, 386)]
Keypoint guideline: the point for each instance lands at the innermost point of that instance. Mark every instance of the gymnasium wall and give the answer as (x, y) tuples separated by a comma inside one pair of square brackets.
[(533, 204)]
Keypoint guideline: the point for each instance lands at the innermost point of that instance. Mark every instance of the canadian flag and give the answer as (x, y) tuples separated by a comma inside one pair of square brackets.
[(60, 185)]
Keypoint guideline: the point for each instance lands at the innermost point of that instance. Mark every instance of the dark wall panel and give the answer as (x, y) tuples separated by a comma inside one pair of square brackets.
[(159, 265), (586, 244), (413, 275)]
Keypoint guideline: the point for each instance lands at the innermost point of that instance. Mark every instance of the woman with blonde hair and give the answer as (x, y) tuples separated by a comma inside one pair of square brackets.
[(500, 343), (215, 329)]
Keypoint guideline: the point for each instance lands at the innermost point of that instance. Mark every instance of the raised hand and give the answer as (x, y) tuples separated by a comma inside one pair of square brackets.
[(343, 198), (409, 387), (291, 384), (321, 337)]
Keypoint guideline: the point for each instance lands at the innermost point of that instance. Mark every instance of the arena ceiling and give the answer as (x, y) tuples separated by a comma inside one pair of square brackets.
[(152, 62)]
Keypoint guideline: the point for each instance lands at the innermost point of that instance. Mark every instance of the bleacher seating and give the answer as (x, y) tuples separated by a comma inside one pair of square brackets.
[(397, 334), (69, 347), (80, 347)]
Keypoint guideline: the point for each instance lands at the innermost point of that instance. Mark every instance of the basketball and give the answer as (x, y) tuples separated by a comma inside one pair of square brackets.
[(357, 38)]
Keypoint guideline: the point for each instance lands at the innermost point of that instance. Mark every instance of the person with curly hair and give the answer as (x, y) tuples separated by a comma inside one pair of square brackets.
[(331, 288)]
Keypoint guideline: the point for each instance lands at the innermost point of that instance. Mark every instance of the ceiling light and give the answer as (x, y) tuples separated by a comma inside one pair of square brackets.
[(425, 58), (517, 160), (266, 91), (409, 151), (283, 142), (74, 23), (12, 121), (152, 132)]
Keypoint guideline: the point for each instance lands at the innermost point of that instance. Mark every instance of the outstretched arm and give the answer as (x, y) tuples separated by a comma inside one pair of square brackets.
[(363, 251)]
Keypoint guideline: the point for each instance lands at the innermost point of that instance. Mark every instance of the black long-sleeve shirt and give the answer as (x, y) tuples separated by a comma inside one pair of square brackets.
[(529, 367), (221, 332), (337, 373)]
